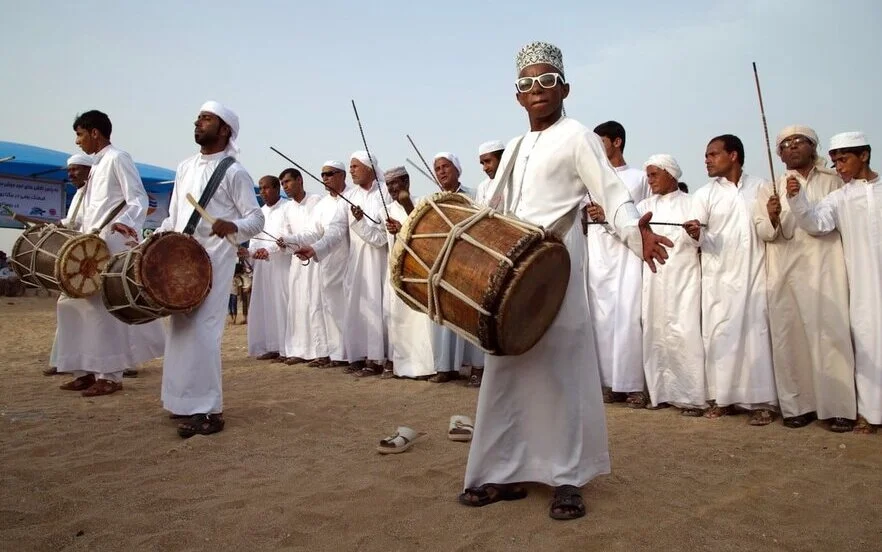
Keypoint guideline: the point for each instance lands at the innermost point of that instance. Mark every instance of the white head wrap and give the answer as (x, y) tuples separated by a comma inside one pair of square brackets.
[(793, 130), (666, 163), (395, 172), (227, 116), (535, 53), (848, 140), (450, 157), (490, 147), (362, 157), (80, 159), (335, 164)]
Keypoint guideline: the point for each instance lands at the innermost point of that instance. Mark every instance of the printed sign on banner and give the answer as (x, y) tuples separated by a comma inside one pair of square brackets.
[(157, 211), (33, 198)]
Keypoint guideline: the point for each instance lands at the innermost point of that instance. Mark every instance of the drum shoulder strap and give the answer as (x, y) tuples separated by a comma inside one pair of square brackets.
[(110, 217), (208, 192)]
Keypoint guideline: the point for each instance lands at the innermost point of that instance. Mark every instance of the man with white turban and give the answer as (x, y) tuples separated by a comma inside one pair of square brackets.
[(191, 373), (614, 283), (673, 351), (540, 414), (808, 293), (452, 352), (489, 155), (854, 210), (735, 315), (93, 345)]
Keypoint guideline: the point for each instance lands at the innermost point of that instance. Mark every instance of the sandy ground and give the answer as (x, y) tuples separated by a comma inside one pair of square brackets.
[(296, 469)]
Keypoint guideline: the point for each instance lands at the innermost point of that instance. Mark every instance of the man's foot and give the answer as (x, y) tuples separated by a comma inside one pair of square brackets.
[(51, 371), (201, 424), (102, 387), (796, 422), (490, 493), (322, 362), (841, 425), (388, 373), (863, 427), (637, 399), (338, 363), (692, 412), (610, 397), (130, 373), (79, 384), (761, 417), (291, 361), (353, 367), (476, 377), (567, 503), (268, 356), (444, 377), (370, 369), (718, 411)]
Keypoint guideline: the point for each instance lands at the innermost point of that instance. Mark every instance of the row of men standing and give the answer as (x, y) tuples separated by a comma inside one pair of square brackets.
[(340, 310)]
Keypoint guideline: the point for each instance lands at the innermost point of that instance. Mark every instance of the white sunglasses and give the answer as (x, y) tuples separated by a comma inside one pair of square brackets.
[(545, 80)]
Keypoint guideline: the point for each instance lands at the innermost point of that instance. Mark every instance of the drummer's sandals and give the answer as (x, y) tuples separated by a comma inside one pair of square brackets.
[(291, 361), (321, 362), (863, 427), (103, 387), (370, 369), (80, 384), (51, 371), (201, 424), (354, 367), (444, 377), (268, 356), (638, 399), (567, 503), (401, 441), (490, 493), (761, 417), (460, 429)]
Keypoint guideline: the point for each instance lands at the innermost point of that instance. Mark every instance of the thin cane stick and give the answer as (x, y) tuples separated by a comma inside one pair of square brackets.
[(431, 172), (765, 130), (422, 172), (371, 159)]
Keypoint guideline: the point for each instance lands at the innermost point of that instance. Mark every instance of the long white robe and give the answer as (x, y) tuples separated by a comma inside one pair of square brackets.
[(305, 336), (856, 211), (364, 332), (268, 310), (330, 215), (191, 375), (540, 414), (735, 317), (808, 308), (673, 351), (614, 293), (410, 333), (74, 221), (90, 339)]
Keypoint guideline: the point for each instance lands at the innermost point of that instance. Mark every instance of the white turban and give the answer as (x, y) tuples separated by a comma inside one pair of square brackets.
[(227, 116), (793, 130), (80, 159), (450, 157), (335, 164), (395, 172), (490, 147), (362, 157), (666, 163), (848, 140)]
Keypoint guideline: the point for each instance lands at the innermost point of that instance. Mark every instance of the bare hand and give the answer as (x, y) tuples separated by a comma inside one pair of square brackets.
[(357, 212), (281, 243), (693, 228), (653, 244), (774, 209), (242, 253), (793, 186), (596, 213), (393, 226), (223, 228), (261, 254), (125, 230), (305, 253)]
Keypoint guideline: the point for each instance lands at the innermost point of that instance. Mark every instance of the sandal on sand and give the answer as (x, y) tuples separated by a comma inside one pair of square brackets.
[(460, 429), (567, 503), (692, 412), (841, 425), (403, 439), (761, 417), (80, 384), (201, 424), (863, 427), (637, 399), (490, 493), (718, 411)]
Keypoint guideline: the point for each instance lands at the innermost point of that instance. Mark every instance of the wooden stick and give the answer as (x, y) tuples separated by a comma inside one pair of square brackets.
[(431, 172), (422, 172), (208, 218), (674, 224), (765, 130), (371, 159)]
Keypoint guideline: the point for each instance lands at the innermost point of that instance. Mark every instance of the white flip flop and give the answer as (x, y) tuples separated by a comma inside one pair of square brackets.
[(460, 429), (403, 439)]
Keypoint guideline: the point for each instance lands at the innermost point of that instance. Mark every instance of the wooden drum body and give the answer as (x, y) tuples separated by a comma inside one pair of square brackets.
[(494, 280), (60, 259), (169, 273)]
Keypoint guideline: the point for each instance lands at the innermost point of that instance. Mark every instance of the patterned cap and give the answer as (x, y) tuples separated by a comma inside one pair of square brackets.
[(540, 52), (395, 172)]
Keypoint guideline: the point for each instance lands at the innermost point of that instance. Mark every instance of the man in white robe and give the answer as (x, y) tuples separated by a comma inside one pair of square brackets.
[(614, 283), (673, 351), (808, 294), (489, 155), (410, 333), (93, 345), (735, 316), (269, 285), (305, 337), (855, 210), (540, 414), (454, 355), (191, 376), (364, 328)]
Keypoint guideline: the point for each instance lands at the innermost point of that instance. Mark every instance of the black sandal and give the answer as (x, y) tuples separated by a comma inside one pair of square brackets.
[(569, 501), (201, 424), (485, 497)]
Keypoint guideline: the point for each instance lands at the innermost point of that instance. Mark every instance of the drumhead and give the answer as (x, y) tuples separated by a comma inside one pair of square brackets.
[(175, 270)]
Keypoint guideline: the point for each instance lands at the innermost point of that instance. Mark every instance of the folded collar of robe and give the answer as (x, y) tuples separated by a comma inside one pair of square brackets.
[(229, 117), (80, 159), (490, 147), (450, 157), (666, 163)]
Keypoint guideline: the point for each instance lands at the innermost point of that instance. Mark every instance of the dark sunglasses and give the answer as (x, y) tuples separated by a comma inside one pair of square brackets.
[(329, 174)]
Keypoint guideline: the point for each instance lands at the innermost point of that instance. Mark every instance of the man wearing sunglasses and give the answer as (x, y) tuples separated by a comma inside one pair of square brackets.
[(540, 414)]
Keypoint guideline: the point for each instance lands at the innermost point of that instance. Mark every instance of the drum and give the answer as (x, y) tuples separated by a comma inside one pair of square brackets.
[(168, 273), (496, 281), (60, 259)]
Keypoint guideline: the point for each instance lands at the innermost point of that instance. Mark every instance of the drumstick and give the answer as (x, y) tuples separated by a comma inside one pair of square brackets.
[(208, 218), (675, 224)]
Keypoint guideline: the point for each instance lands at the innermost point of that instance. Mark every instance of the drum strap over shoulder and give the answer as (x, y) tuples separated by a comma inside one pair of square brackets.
[(208, 192)]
